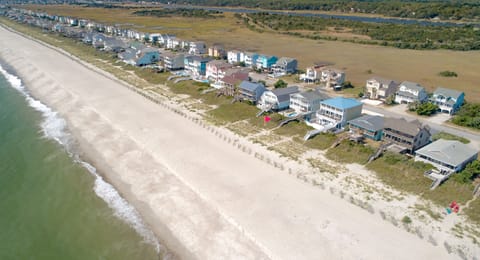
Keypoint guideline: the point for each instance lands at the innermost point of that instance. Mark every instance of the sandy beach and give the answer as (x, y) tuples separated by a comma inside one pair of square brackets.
[(203, 198)]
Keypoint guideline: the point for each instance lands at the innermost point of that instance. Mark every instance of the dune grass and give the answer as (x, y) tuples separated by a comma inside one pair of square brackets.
[(350, 152), (229, 113), (404, 174), (292, 129), (321, 141)]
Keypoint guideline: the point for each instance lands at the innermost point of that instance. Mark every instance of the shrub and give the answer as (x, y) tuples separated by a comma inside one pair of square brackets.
[(406, 220), (427, 109), (447, 73), (280, 84)]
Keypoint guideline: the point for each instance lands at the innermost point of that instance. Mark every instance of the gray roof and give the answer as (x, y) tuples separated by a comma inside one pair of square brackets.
[(128, 54), (446, 92), (313, 95), (407, 94), (149, 49), (402, 125), (448, 151), (384, 81), (283, 94), (250, 86), (369, 122), (285, 60), (197, 58), (412, 85)]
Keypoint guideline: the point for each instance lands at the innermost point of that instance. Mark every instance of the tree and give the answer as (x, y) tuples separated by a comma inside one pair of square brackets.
[(468, 174), (347, 84), (426, 109), (390, 100), (280, 84)]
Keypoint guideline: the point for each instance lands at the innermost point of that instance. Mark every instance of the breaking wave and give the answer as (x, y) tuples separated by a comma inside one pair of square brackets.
[(55, 127)]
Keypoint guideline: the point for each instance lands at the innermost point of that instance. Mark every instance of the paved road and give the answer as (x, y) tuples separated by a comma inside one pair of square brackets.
[(435, 126)]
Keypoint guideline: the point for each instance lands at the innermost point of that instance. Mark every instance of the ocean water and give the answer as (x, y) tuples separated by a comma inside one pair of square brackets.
[(53, 205)]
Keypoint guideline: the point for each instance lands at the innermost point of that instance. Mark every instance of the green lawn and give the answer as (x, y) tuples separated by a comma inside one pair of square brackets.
[(447, 136)]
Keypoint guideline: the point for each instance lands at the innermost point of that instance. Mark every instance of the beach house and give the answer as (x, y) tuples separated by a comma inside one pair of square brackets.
[(446, 155), (332, 78), (196, 65), (409, 92), (216, 51), (114, 44), (197, 48), (380, 88), (228, 84), (306, 102), (234, 56), (172, 42), (249, 58), (368, 126), (448, 100), (277, 99), (216, 69), (250, 91), (311, 75), (410, 136), (284, 66), (98, 40), (173, 61), (147, 56), (338, 111), (265, 62)]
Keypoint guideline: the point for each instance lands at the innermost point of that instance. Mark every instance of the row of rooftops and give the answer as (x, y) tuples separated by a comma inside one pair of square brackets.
[(416, 87), (126, 33)]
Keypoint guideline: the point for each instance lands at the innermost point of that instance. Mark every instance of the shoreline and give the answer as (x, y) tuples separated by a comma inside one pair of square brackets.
[(151, 150)]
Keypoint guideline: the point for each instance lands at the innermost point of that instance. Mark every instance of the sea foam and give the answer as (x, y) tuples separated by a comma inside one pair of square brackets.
[(55, 127)]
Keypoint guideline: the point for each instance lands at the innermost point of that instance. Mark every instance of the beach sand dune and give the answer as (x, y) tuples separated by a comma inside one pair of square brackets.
[(202, 197)]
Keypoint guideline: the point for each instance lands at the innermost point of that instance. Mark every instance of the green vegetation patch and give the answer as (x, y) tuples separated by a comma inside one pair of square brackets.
[(405, 174), (447, 136), (468, 115), (226, 113), (293, 129), (321, 141), (350, 152), (403, 36), (448, 74), (151, 75), (259, 122), (184, 12), (453, 10), (423, 109), (473, 210)]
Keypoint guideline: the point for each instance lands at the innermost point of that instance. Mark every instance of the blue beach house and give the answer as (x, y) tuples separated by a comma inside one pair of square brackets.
[(338, 111), (251, 91), (265, 61), (147, 56), (196, 65), (448, 100)]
